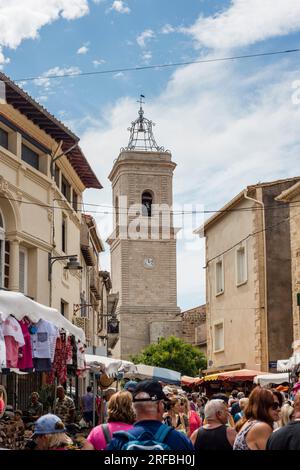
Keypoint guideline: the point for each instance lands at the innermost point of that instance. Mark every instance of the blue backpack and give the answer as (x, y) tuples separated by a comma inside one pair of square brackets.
[(146, 440)]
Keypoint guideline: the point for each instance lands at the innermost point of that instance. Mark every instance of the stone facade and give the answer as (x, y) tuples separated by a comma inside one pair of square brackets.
[(147, 293), (251, 311), (292, 196), (40, 216), (194, 330)]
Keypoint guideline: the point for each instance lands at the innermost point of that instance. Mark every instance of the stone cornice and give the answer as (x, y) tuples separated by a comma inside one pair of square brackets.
[(121, 165)]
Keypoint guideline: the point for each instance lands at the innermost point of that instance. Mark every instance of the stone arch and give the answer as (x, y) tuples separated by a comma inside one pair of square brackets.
[(10, 212), (147, 200)]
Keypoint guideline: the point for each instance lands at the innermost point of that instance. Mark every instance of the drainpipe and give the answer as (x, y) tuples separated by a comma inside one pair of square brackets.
[(265, 271)]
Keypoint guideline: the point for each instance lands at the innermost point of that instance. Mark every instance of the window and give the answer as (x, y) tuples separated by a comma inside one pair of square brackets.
[(3, 138), (147, 200), (75, 201), (64, 234), (219, 337), (30, 157), (241, 265), (66, 188), (23, 256), (219, 277), (64, 308)]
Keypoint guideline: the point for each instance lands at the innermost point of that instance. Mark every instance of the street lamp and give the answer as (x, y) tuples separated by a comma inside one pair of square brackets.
[(72, 265)]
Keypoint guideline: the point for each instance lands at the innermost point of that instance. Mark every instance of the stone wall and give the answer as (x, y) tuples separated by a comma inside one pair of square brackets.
[(194, 327)]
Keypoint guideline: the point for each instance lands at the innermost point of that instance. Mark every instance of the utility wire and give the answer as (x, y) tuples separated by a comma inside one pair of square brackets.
[(175, 213), (157, 66), (270, 227)]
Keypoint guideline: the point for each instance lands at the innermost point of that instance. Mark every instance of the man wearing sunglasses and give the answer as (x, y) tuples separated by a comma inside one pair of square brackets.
[(149, 406)]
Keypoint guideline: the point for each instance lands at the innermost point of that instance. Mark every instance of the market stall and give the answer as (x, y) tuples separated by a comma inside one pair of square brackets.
[(225, 381), (38, 348), (268, 379), (166, 376)]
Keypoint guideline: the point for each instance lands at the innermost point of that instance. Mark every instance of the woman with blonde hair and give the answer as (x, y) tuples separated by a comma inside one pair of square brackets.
[(120, 418)]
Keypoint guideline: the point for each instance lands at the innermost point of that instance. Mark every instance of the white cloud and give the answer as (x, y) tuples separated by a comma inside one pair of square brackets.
[(42, 98), (147, 56), (46, 81), (118, 75), (98, 62), (220, 141), (21, 19), (3, 60), (144, 36), (167, 29), (82, 50), (120, 7), (246, 22)]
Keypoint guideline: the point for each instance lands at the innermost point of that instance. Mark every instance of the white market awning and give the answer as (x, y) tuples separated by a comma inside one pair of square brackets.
[(267, 379), (145, 372), (18, 305), (109, 366)]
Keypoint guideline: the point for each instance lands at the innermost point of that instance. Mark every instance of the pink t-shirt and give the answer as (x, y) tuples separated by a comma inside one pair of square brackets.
[(96, 436), (25, 360)]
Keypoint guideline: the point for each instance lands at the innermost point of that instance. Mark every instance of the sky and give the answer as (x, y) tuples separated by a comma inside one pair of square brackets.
[(228, 124)]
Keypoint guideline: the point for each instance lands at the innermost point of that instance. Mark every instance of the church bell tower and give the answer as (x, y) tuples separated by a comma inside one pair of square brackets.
[(143, 243)]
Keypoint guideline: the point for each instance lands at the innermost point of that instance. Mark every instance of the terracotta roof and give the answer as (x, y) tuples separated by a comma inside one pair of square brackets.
[(24, 103)]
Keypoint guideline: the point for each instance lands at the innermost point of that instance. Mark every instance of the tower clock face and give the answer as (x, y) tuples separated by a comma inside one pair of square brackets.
[(149, 263)]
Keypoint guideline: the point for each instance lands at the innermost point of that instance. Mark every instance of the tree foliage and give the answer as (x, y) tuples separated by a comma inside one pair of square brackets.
[(173, 353)]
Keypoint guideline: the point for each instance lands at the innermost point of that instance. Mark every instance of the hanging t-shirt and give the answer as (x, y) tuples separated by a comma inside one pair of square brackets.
[(25, 353), (42, 340), (14, 340)]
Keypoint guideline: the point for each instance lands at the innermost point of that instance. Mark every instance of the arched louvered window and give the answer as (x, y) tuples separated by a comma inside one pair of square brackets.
[(147, 201)]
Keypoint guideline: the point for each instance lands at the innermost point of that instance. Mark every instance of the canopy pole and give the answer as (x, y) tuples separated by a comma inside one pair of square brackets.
[(94, 398)]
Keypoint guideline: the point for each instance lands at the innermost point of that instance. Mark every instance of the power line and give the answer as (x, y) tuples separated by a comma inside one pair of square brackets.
[(175, 213), (270, 227), (157, 66)]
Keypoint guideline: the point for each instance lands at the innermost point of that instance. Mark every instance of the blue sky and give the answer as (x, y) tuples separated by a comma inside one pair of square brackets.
[(228, 124)]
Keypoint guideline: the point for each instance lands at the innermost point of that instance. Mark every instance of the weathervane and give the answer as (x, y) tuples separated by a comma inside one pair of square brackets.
[(141, 133)]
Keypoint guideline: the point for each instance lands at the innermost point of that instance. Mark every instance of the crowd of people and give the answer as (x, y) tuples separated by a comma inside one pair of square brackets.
[(148, 416)]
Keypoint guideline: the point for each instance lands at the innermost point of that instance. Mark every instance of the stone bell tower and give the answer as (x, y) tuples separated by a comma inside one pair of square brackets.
[(143, 243)]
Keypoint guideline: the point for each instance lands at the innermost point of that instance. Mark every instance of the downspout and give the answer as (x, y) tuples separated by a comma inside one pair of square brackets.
[(265, 272)]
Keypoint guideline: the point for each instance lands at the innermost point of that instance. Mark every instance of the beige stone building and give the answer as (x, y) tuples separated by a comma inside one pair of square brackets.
[(40, 216), (248, 280), (143, 244), (194, 330), (292, 196)]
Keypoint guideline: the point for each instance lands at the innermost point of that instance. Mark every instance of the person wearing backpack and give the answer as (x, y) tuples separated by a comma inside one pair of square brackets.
[(149, 433), (120, 417)]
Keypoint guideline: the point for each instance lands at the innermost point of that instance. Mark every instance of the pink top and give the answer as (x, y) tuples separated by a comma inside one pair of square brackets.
[(194, 420), (12, 348), (96, 436), (25, 353)]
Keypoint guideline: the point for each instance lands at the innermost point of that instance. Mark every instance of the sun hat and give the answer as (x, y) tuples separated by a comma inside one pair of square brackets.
[(48, 424)]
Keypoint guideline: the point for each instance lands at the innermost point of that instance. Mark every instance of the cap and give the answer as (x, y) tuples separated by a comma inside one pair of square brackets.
[(130, 385), (152, 388), (48, 424), (241, 395)]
